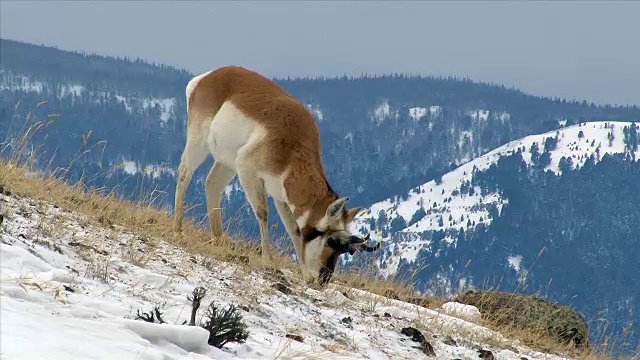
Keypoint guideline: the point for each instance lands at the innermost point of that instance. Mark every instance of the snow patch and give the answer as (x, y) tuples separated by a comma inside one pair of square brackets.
[(417, 113), (155, 171), (466, 312), (167, 106), (129, 167), (435, 111), (514, 262), (383, 112), (14, 82), (152, 170), (349, 137), (124, 101), (504, 116), (188, 338), (75, 90), (315, 109), (479, 114)]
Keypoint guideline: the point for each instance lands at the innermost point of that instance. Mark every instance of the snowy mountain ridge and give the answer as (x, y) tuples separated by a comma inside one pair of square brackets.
[(441, 205)]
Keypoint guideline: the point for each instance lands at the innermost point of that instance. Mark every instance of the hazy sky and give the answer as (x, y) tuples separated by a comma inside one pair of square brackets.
[(585, 50)]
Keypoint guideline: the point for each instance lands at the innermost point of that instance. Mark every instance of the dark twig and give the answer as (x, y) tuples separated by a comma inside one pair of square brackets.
[(152, 316), (197, 296)]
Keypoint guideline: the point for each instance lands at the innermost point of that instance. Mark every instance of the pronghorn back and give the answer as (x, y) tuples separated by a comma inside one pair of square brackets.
[(258, 97), (291, 136)]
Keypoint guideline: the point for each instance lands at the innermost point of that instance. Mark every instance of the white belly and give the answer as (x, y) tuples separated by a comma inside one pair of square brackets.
[(229, 131), (273, 184)]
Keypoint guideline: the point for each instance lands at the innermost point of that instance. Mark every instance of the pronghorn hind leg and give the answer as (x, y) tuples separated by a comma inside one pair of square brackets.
[(219, 177), (193, 156)]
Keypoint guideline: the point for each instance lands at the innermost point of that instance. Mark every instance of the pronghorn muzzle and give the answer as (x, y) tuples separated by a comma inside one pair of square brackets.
[(353, 244)]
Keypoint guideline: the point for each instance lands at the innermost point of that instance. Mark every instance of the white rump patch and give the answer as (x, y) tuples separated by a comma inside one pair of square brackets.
[(191, 85)]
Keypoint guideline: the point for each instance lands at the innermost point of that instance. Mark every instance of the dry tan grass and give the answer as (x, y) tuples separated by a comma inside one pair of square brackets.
[(110, 210), (147, 220)]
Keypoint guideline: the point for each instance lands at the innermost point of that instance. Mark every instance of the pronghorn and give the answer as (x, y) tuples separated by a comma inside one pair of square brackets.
[(254, 129)]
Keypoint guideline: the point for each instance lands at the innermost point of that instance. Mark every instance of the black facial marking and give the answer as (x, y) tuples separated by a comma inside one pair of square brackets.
[(309, 233), (337, 245)]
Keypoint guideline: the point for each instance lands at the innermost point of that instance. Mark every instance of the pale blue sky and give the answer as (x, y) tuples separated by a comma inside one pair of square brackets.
[(576, 50)]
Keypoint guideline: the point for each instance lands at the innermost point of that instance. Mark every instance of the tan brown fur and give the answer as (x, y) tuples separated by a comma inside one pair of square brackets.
[(285, 144), (293, 135)]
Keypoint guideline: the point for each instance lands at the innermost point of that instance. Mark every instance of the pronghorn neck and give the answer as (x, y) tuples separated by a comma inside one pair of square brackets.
[(309, 194), (311, 218), (307, 191)]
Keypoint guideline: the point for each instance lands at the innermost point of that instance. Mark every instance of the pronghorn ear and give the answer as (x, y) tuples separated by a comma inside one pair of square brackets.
[(351, 214), (337, 207)]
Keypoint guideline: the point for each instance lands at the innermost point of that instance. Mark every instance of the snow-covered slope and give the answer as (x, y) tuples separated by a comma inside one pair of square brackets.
[(70, 289), (447, 208)]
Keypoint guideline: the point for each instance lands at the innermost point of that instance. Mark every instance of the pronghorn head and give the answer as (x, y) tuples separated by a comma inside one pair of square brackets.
[(329, 239)]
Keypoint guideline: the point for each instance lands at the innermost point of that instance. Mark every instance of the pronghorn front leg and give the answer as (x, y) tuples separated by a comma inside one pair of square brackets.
[(257, 196), (289, 221)]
